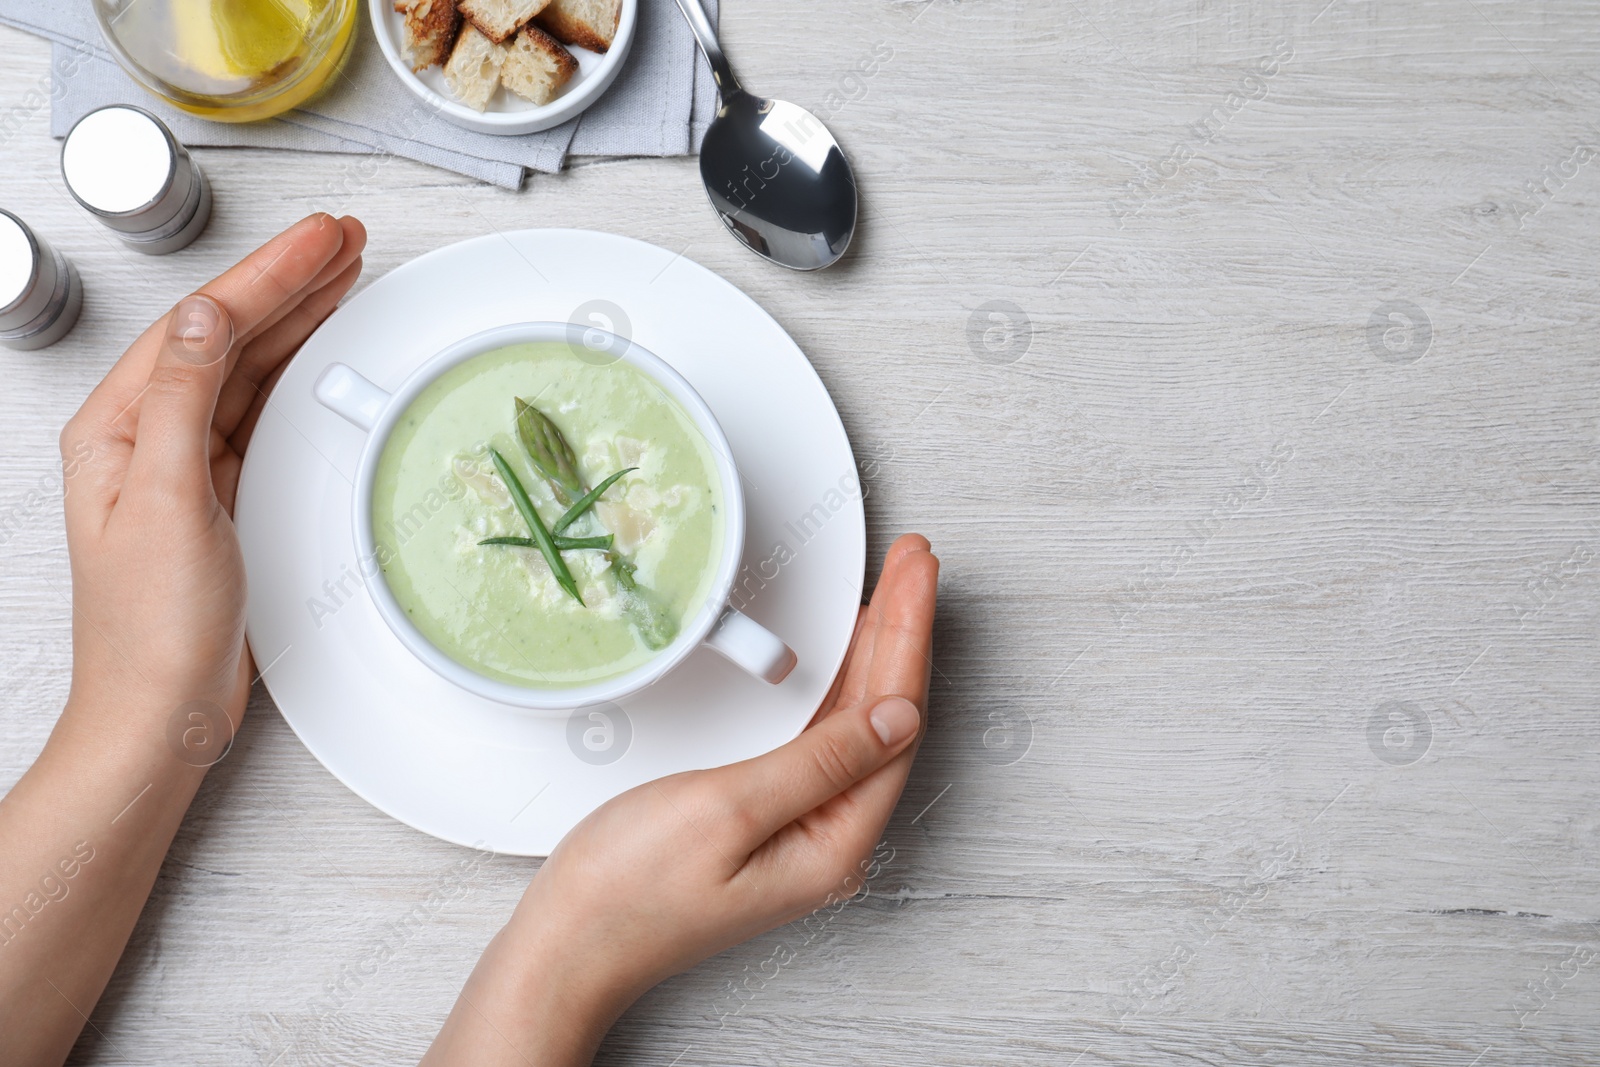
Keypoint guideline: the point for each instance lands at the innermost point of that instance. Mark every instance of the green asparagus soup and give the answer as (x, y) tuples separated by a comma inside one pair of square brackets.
[(597, 494)]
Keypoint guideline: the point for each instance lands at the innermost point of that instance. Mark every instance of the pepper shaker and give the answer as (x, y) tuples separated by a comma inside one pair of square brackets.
[(40, 291), (125, 168)]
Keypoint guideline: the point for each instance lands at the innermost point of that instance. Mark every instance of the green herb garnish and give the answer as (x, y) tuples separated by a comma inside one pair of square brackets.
[(563, 544), (575, 512), (553, 458), (541, 536)]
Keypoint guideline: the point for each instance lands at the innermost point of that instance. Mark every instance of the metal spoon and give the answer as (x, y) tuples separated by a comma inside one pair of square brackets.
[(773, 172)]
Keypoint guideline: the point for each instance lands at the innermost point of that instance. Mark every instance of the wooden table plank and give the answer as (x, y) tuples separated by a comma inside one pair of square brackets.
[(1199, 529)]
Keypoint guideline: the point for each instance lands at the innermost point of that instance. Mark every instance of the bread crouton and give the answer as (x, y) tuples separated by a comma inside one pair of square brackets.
[(499, 19), (473, 72), (536, 66), (590, 24), (431, 28)]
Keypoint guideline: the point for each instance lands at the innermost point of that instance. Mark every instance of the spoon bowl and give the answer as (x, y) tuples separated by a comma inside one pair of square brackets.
[(775, 176)]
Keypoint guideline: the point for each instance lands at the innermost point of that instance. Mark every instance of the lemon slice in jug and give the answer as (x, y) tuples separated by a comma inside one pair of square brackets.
[(258, 36), (231, 39)]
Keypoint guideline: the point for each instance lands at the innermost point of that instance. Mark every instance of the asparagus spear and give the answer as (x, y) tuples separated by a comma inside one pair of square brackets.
[(553, 458)]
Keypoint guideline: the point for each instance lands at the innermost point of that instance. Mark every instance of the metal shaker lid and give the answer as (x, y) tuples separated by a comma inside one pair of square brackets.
[(40, 292), (124, 166), (122, 161), (19, 267)]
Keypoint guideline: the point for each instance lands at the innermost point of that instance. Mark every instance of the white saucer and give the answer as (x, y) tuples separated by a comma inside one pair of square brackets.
[(482, 774), (507, 112)]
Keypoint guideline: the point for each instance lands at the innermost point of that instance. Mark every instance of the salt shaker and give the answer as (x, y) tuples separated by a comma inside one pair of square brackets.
[(127, 170), (40, 291)]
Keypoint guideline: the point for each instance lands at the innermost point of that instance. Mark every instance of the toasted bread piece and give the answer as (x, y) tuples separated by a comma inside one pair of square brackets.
[(590, 24), (473, 73), (431, 28), (536, 65), (500, 19)]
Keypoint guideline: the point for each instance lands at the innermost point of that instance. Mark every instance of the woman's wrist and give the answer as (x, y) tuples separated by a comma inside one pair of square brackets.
[(151, 699), (570, 983), (532, 998)]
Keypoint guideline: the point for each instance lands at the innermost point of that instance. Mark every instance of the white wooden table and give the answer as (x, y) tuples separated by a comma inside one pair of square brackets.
[(1203, 525)]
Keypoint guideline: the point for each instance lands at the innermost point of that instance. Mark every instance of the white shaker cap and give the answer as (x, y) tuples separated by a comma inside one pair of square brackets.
[(40, 292), (123, 165), (19, 261)]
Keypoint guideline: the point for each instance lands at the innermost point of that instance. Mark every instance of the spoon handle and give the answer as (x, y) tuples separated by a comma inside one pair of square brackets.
[(707, 37)]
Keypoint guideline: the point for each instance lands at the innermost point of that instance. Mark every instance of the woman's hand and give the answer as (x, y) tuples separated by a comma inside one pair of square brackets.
[(151, 462), (679, 869)]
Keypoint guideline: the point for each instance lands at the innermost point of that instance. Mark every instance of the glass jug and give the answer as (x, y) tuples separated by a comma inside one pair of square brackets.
[(230, 60)]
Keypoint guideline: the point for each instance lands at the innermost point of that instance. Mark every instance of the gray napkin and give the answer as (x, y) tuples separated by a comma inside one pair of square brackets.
[(659, 105)]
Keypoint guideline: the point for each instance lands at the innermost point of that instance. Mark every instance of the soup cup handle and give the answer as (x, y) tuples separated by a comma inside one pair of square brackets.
[(345, 392), (752, 646)]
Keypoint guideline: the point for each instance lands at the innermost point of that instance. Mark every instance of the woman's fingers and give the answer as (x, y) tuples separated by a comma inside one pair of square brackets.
[(853, 762), (850, 687), (858, 668), (249, 291), (355, 243), (831, 701), (178, 356), (827, 840), (175, 432), (903, 546), (776, 789), (354, 236), (271, 276), (902, 652), (899, 668), (271, 349)]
